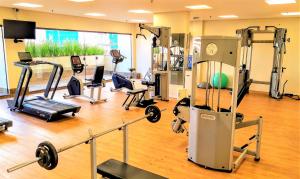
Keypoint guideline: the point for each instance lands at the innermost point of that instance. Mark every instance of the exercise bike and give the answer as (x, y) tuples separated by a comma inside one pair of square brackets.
[(135, 97), (119, 80), (76, 87)]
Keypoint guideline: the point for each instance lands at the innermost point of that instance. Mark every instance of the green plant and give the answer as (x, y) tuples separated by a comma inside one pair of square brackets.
[(45, 49), (68, 48), (31, 47), (77, 48), (94, 51)]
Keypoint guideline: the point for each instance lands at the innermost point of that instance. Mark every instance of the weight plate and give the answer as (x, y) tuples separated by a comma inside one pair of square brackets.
[(48, 154), (155, 111)]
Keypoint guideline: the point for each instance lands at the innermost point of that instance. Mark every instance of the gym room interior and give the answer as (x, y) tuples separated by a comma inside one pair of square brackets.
[(141, 89)]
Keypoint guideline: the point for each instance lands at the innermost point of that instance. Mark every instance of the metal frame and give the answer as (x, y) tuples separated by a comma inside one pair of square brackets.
[(279, 40), (91, 140), (91, 98), (163, 34), (217, 125)]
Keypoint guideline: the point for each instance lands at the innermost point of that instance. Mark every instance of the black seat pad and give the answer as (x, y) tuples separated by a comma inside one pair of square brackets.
[(136, 91), (120, 170), (94, 85)]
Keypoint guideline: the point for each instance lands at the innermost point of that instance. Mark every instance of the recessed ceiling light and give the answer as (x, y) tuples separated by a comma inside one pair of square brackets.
[(25, 4), (229, 16), (290, 13), (94, 14), (140, 11), (280, 1), (81, 0), (137, 20), (198, 7)]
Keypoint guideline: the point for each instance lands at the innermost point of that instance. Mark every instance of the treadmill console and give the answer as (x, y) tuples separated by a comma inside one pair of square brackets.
[(25, 56)]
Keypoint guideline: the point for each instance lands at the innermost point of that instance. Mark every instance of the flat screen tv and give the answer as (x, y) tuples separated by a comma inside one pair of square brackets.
[(14, 29)]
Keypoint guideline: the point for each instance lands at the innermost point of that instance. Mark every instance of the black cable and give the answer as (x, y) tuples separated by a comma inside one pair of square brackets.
[(289, 95)]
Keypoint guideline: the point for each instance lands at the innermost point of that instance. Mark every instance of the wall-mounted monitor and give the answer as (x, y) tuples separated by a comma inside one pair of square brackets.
[(14, 29)]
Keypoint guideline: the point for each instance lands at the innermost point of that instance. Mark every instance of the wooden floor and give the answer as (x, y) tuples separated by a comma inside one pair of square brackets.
[(153, 147)]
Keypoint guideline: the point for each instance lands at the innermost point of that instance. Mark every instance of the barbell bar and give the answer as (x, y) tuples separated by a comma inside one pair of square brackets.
[(47, 154)]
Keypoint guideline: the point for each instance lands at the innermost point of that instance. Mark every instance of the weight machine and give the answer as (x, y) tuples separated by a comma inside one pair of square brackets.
[(160, 59), (279, 40), (212, 128), (47, 155)]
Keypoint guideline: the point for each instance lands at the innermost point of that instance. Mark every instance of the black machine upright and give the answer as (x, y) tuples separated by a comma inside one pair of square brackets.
[(41, 106)]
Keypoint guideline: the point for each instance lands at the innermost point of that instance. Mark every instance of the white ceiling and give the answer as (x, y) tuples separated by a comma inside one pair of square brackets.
[(118, 9)]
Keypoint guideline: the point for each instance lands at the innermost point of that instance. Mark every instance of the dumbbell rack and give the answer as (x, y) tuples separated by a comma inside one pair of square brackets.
[(152, 113)]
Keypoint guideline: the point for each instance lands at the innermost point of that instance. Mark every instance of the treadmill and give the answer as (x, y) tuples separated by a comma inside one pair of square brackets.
[(42, 106)]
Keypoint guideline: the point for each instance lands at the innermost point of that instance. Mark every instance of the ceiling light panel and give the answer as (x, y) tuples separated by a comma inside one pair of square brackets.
[(30, 5), (94, 14), (271, 2), (198, 7), (290, 13), (137, 20), (140, 11), (229, 16), (81, 0)]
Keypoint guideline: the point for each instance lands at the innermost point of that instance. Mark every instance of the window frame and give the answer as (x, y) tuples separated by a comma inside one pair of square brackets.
[(5, 59)]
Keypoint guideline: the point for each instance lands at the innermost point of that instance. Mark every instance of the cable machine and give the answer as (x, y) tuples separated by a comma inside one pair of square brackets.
[(279, 40), (160, 63), (212, 127)]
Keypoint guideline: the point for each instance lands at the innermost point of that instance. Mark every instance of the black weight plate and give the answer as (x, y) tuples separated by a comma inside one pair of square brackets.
[(42, 152), (50, 159), (156, 113)]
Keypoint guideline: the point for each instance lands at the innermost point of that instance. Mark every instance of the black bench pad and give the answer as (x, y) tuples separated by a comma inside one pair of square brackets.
[(136, 91), (115, 169)]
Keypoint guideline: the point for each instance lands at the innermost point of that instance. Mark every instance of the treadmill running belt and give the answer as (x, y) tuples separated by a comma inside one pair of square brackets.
[(49, 104)]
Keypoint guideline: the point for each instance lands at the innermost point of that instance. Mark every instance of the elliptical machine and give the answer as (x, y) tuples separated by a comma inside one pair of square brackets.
[(76, 86), (119, 80)]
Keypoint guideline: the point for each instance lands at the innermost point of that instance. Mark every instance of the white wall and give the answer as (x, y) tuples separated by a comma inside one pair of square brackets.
[(143, 53), (124, 45)]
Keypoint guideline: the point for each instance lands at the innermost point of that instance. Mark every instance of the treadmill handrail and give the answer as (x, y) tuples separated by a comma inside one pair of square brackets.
[(33, 63), (17, 100), (52, 79), (27, 68)]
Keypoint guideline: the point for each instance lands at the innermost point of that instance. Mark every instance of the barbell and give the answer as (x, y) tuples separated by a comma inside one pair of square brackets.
[(47, 155)]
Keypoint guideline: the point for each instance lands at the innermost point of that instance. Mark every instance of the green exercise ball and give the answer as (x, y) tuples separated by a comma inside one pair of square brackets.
[(224, 80)]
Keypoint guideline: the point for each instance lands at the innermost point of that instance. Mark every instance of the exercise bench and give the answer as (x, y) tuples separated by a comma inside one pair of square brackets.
[(137, 96), (115, 169)]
